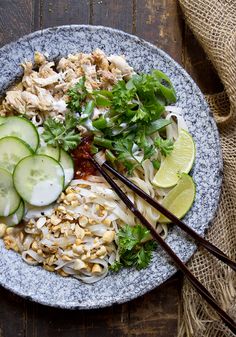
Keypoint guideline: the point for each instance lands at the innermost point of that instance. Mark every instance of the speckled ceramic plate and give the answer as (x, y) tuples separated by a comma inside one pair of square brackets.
[(50, 289)]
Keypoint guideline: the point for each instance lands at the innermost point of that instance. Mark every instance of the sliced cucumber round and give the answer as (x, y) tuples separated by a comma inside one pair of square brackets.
[(12, 150), (9, 198), (21, 128), (39, 179), (15, 218), (50, 151), (68, 166), (2, 120)]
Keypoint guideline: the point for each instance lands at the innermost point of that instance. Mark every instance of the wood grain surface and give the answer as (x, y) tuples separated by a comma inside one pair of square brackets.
[(160, 22)]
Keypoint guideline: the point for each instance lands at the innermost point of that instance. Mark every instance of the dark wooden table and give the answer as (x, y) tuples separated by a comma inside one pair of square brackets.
[(160, 22)]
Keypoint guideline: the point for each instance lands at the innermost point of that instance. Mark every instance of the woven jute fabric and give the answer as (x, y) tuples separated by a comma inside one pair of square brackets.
[(213, 23)]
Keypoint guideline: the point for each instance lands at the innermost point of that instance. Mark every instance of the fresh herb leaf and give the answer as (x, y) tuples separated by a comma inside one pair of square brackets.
[(148, 151), (141, 140), (122, 97), (116, 266), (147, 87), (76, 96), (124, 149), (140, 114), (165, 146), (156, 164), (145, 254), (102, 98), (135, 247), (63, 134)]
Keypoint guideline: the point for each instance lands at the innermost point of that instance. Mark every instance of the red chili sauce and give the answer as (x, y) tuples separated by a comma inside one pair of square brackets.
[(83, 166)]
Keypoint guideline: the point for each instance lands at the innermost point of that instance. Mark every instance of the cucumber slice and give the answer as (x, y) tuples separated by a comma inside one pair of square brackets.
[(39, 179), (15, 218), (2, 120), (9, 199), (68, 166), (22, 128), (50, 151), (12, 150)]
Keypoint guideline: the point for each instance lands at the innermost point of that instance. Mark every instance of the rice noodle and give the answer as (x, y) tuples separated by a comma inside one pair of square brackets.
[(37, 259), (172, 130)]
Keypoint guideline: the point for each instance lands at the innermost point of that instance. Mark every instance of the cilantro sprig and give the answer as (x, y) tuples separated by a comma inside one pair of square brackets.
[(135, 247), (63, 134), (165, 146), (76, 96)]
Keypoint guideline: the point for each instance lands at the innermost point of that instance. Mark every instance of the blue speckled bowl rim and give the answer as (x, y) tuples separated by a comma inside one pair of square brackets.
[(151, 286)]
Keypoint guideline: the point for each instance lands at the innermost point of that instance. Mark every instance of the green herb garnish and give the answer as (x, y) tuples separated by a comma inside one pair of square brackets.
[(76, 96), (165, 146), (132, 116), (135, 247), (63, 134)]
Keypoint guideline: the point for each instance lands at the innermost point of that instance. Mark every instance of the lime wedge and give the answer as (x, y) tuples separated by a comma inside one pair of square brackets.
[(180, 199), (179, 161)]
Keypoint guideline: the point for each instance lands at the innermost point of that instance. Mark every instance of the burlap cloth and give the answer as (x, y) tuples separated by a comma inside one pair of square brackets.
[(213, 23)]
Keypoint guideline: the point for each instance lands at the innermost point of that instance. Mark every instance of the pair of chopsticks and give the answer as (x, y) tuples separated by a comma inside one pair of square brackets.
[(206, 244)]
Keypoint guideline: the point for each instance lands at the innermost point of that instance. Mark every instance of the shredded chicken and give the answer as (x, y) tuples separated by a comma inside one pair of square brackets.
[(42, 91)]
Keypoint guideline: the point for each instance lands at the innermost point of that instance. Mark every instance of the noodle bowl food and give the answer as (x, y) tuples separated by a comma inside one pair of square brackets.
[(56, 210)]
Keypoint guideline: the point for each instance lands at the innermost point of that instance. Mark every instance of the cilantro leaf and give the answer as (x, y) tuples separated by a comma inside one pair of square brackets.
[(165, 146), (145, 254), (156, 164), (140, 114), (122, 97), (124, 148), (102, 97), (63, 134), (76, 96), (148, 151), (135, 247), (116, 266), (141, 140)]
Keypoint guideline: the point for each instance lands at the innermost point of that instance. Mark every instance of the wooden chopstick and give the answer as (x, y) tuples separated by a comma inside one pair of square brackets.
[(200, 288), (203, 242)]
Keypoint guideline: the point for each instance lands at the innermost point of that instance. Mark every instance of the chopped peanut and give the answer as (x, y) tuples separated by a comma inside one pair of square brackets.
[(41, 222), (74, 203), (79, 232), (55, 220), (79, 264), (71, 196), (96, 269), (62, 273), (49, 268), (35, 246), (107, 222), (78, 249), (108, 236), (83, 220), (3, 228), (101, 251), (9, 230)]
